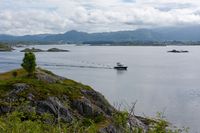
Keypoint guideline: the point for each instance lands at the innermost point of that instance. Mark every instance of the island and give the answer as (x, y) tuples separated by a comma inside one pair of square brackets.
[(40, 50), (32, 50), (178, 51), (5, 48), (57, 50)]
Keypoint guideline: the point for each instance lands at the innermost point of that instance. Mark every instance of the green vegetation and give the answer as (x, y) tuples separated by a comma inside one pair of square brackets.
[(15, 123), (29, 62), (158, 125), (22, 120), (40, 88)]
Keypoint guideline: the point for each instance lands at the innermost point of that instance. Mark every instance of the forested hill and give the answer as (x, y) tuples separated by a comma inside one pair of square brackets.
[(191, 33)]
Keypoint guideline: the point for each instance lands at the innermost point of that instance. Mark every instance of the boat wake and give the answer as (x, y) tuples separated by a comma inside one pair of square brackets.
[(76, 66)]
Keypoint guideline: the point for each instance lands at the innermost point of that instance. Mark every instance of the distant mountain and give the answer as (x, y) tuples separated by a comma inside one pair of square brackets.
[(190, 33), (10, 38), (70, 36)]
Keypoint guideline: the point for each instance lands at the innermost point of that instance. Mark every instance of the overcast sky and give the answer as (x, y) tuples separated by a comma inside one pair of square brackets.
[(19, 17)]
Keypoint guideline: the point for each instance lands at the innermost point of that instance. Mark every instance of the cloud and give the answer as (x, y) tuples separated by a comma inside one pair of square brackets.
[(57, 16)]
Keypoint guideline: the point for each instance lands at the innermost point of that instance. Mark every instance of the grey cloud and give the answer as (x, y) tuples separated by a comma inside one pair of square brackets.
[(172, 6), (56, 16)]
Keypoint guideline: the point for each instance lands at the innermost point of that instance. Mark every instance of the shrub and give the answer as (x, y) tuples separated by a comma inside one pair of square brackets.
[(29, 63)]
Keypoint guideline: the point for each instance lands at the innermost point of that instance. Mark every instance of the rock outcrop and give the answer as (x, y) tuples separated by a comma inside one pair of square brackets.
[(53, 106), (64, 99)]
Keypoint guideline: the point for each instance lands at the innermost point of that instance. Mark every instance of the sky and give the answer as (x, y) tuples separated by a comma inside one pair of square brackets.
[(22, 17)]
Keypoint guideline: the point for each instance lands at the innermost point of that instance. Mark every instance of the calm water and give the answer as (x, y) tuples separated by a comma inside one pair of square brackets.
[(159, 81)]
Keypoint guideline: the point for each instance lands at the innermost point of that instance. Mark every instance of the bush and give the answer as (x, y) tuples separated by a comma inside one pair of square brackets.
[(29, 63)]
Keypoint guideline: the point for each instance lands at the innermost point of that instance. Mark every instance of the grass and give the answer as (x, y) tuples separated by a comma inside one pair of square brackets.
[(40, 89), (9, 75)]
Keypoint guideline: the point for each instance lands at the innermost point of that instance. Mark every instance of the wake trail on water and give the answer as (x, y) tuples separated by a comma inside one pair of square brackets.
[(77, 66), (98, 66)]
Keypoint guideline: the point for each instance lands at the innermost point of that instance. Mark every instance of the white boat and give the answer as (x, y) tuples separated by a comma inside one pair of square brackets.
[(120, 66)]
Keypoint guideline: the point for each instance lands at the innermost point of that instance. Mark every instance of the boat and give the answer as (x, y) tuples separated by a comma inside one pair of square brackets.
[(120, 66)]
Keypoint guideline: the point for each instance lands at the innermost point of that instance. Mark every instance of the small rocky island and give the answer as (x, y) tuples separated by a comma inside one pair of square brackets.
[(57, 50), (32, 50), (40, 50), (178, 51)]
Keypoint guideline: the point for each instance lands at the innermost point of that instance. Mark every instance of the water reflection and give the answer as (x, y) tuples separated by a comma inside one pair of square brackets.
[(121, 72)]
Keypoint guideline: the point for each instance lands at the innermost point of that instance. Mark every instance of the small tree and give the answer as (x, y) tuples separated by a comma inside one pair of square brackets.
[(29, 63)]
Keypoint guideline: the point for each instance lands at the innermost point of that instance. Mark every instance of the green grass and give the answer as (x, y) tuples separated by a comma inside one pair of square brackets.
[(38, 88)]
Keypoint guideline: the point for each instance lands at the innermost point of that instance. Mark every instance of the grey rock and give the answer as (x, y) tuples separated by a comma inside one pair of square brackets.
[(110, 129), (43, 76), (30, 97), (84, 106), (133, 121), (19, 87), (4, 109), (53, 106), (99, 100)]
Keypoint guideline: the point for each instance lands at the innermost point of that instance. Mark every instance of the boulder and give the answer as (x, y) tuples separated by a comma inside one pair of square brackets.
[(53, 106), (84, 106), (110, 129), (19, 87), (4, 109), (99, 100), (47, 77)]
